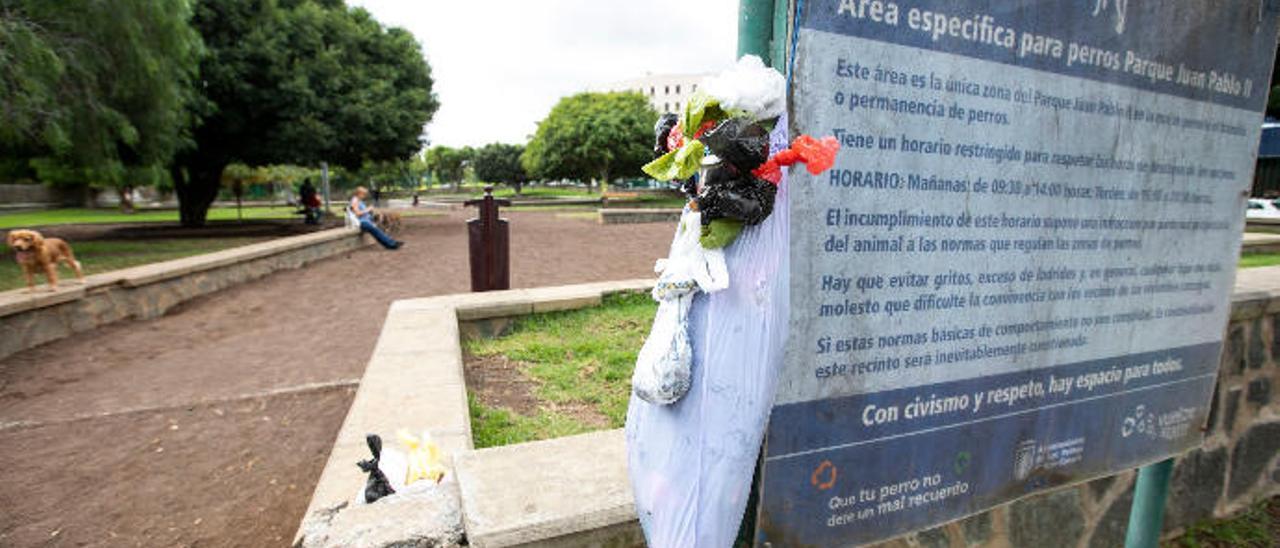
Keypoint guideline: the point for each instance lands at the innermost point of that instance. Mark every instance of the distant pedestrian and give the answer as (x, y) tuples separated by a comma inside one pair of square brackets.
[(310, 202), (364, 214)]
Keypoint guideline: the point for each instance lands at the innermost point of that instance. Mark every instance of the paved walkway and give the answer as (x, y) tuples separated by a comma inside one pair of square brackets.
[(210, 424)]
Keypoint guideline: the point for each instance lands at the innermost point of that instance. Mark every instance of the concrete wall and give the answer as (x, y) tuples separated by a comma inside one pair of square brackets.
[(1236, 466), (38, 196), (619, 216), (148, 291)]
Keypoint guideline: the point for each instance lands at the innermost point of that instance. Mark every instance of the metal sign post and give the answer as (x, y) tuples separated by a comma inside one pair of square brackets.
[(489, 244), (324, 179), (1146, 516)]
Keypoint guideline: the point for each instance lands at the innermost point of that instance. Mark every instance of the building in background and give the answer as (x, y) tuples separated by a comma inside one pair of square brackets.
[(666, 92)]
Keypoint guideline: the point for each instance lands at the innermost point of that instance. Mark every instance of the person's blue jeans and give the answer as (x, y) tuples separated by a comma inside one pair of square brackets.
[(382, 237)]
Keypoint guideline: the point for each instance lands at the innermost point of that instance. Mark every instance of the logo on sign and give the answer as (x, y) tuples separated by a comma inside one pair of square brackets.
[(1170, 425), (1138, 422), (824, 476)]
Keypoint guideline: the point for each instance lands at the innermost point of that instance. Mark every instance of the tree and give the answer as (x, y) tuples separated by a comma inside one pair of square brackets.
[(592, 136), (300, 82), (237, 176), (500, 163), (96, 92), (391, 174), (447, 165)]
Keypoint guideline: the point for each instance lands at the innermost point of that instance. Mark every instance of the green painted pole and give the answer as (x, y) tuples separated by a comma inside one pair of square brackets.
[(780, 42), (1146, 516), (755, 28)]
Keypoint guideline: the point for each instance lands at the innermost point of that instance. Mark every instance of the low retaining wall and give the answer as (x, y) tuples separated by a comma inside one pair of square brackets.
[(1262, 225), (148, 291), (619, 216), (574, 491), (1260, 243), (414, 380), (39, 196)]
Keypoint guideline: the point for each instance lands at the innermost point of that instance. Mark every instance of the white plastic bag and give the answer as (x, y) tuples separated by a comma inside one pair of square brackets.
[(663, 365), (398, 466), (750, 86), (691, 462)]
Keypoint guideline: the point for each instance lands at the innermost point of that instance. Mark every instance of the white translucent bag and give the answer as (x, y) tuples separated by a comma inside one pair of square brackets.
[(691, 462), (663, 365)]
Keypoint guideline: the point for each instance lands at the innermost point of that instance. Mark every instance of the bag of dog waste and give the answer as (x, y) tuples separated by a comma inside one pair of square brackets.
[(377, 485)]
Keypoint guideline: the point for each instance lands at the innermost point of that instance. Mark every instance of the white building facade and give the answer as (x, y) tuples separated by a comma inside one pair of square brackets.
[(666, 92)]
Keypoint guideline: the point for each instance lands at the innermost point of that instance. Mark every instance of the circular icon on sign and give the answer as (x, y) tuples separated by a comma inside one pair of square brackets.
[(824, 476)]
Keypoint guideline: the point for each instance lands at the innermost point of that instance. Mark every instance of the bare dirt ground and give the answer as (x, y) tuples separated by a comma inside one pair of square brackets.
[(499, 381), (209, 426)]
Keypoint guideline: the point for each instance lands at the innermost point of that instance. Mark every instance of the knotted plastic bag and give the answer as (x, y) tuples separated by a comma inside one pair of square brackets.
[(728, 194), (377, 485), (423, 455), (740, 142), (663, 365), (662, 130)]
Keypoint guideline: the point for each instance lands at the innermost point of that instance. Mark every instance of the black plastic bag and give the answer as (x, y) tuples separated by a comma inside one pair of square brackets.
[(690, 186), (728, 193), (740, 143), (661, 131), (377, 485)]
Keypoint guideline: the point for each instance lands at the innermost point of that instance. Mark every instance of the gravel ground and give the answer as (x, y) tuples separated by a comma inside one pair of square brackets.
[(208, 426)]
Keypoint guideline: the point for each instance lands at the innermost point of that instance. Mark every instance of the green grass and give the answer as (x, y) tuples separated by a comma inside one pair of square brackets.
[(1257, 527), (494, 426), (24, 219), (576, 357), (505, 191), (1254, 260), (91, 216), (97, 256)]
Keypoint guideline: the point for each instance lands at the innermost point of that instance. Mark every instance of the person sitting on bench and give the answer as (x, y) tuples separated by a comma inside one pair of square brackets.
[(365, 216)]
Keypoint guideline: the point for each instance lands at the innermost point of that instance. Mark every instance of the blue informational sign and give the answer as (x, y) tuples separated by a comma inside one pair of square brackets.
[(1017, 275)]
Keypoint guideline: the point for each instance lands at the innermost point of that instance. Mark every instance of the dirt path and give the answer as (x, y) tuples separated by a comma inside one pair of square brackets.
[(257, 376)]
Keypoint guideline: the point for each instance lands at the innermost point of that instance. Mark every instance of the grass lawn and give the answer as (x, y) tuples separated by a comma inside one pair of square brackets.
[(98, 256), (23, 219), (1254, 260), (1257, 527), (575, 359), (84, 215), (505, 191)]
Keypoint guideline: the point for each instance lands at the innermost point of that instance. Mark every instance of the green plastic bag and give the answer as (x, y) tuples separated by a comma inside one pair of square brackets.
[(679, 164), (720, 233)]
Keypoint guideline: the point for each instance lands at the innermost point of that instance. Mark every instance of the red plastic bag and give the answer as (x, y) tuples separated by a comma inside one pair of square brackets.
[(818, 156)]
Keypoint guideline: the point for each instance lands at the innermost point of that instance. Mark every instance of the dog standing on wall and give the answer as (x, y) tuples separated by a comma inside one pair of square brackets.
[(36, 252)]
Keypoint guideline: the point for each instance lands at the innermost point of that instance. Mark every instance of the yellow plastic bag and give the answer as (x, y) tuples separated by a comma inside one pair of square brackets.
[(423, 456)]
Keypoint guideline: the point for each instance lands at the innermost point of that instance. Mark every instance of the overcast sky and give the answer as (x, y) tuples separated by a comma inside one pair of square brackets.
[(500, 65)]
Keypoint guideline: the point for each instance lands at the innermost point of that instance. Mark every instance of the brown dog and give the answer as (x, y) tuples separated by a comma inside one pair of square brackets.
[(35, 252), (389, 221)]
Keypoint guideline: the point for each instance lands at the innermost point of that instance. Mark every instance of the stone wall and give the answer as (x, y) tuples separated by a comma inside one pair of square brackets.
[(148, 291), (1236, 466)]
